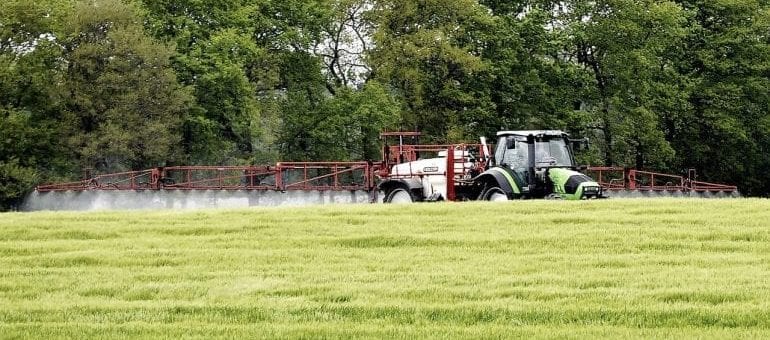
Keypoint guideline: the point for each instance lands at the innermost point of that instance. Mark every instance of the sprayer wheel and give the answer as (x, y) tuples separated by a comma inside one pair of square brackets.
[(494, 194), (399, 196)]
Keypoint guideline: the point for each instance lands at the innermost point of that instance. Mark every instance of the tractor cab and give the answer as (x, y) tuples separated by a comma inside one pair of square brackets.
[(520, 150), (540, 163)]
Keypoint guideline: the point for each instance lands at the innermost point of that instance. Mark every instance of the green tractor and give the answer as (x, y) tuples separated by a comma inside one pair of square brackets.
[(535, 164)]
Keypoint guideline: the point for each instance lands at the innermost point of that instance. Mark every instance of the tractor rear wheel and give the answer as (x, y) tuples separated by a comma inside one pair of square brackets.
[(494, 194), (399, 196)]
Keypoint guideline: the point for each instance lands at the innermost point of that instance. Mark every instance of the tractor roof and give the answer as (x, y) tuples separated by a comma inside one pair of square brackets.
[(536, 133)]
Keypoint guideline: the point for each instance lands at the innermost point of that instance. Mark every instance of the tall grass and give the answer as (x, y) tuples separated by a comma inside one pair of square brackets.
[(612, 268)]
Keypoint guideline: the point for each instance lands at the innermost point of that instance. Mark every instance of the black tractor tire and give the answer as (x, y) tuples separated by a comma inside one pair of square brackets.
[(399, 195), (493, 193)]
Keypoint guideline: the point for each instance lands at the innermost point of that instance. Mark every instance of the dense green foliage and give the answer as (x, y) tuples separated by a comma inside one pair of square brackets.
[(128, 84), (543, 269)]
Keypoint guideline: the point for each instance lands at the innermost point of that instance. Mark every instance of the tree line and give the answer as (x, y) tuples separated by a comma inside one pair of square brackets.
[(115, 85)]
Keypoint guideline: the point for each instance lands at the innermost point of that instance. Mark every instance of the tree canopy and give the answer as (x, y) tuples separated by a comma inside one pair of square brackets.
[(114, 85)]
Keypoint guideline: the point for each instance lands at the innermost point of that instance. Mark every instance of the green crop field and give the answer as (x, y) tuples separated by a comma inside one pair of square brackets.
[(610, 268)]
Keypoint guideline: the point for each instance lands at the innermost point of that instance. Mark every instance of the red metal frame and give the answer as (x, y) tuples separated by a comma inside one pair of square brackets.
[(131, 180), (450, 178), (212, 177), (324, 176), (283, 176), (617, 178)]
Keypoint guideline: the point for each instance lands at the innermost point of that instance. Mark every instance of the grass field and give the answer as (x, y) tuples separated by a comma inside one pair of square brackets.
[(610, 268)]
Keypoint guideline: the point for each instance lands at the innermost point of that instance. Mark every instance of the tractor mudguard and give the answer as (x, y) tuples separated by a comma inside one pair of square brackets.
[(409, 183), (504, 178)]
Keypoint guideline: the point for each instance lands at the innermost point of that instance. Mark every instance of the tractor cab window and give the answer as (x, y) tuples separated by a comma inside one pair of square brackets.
[(552, 152), (512, 151)]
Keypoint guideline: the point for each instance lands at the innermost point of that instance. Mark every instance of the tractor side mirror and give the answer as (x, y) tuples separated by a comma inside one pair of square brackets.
[(579, 144)]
